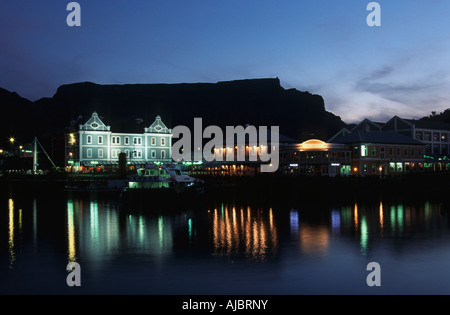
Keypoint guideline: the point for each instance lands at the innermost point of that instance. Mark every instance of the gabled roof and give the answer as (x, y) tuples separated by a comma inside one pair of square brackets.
[(376, 137), (158, 127), (367, 125), (340, 133), (95, 124)]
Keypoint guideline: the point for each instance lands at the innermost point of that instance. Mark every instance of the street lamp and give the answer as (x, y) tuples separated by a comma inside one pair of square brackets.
[(12, 140)]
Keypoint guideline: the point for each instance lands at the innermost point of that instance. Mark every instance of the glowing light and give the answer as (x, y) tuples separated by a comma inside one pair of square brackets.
[(71, 231), (72, 139), (314, 145)]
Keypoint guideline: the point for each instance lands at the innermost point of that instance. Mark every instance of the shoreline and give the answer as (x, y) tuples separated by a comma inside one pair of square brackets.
[(268, 188)]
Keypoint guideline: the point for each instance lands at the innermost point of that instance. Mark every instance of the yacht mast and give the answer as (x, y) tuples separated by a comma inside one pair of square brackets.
[(35, 157)]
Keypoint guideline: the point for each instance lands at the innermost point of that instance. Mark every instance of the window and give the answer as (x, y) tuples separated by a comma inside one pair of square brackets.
[(406, 152), (163, 141), (100, 153), (153, 154), (413, 152), (137, 154), (374, 151), (100, 139), (89, 140), (137, 140), (115, 153), (398, 151), (127, 140), (89, 153), (115, 140), (419, 135), (363, 150), (391, 152), (163, 154), (127, 152), (153, 141)]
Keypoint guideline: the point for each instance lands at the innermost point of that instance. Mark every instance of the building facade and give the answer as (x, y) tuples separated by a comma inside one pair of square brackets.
[(316, 158), (435, 135), (383, 153), (94, 146)]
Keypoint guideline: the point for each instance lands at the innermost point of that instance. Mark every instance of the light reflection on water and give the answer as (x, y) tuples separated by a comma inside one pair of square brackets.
[(252, 233), (102, 236)]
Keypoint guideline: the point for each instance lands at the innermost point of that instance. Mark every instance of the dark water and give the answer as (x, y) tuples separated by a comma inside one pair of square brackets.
[(220, 247)]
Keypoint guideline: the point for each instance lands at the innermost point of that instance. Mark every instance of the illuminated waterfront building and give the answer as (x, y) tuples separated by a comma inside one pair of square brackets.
[(94, 146), (316, 157), (434, 136), (383, 153)]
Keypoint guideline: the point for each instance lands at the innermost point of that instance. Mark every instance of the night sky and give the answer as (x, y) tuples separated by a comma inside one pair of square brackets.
[(321, 46)]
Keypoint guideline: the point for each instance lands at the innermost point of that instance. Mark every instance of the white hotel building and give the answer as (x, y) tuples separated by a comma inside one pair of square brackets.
[(95, 146)]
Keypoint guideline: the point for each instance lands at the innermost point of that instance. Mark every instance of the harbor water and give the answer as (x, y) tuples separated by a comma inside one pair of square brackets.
[(220, 245)]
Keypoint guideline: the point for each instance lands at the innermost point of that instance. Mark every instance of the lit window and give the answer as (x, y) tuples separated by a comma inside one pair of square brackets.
[(163, 141), (363, 150), (115, 140), (153, 141)]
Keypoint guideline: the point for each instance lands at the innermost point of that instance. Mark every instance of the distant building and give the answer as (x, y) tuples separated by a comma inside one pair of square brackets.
[(244, 157), (316, 157), (383, 153), (94, 146), (435, 137)]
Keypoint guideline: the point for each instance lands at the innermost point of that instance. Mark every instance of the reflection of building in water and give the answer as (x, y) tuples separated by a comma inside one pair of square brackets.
[(252, 232), (71, 250), (93, 230), (15, 225), (150, 235), (12, 254), (313, 239)]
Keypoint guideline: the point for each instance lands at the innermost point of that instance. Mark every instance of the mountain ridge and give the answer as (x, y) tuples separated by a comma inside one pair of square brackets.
[(300, 115)]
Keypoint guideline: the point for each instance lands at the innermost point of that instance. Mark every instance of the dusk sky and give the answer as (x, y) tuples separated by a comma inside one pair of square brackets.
[(322, 46)]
